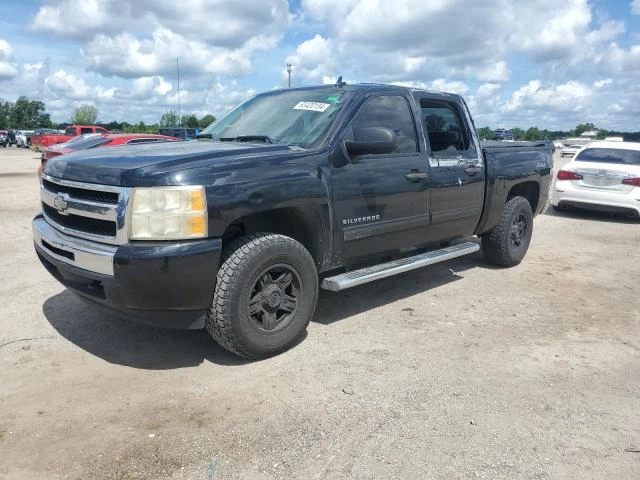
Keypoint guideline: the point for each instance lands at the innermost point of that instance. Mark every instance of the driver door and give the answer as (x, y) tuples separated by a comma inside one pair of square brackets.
[(381, 201)]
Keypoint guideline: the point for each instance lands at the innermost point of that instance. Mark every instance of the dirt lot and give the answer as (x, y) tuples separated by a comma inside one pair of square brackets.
[(455, 371)]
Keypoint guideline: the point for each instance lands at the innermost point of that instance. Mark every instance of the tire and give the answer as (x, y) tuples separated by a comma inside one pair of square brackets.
[(252, 313), (507, 243)]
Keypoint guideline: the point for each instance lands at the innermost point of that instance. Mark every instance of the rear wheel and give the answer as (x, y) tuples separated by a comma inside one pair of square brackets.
[(266, 293), (507, 243)]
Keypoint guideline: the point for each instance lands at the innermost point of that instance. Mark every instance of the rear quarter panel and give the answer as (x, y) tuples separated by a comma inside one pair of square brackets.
[(506, 168)]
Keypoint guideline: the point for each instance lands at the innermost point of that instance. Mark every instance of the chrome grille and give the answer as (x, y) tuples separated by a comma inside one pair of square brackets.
[(91, 211), (80, 223), (82, 193)]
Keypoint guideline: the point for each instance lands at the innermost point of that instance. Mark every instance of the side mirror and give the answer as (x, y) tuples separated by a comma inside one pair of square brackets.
[(371, 140)]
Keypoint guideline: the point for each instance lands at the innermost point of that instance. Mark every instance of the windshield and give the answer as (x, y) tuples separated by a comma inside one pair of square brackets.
[(294, 117), (610, 155)]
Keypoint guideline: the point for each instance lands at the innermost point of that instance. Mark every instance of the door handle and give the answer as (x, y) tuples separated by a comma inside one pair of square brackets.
[(472, 169), (415, 175)]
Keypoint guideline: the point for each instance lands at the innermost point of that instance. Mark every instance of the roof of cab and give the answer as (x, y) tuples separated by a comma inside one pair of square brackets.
[(356, 87)]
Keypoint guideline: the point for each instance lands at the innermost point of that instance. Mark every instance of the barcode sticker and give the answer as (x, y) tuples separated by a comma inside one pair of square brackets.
[(313, 106)]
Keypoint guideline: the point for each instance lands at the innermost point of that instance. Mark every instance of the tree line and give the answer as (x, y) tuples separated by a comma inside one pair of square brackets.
[(26, 114), (534, 133)]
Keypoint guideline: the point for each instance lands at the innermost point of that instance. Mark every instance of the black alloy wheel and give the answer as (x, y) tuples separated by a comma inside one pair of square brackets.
[(519, 229), (273, 302)]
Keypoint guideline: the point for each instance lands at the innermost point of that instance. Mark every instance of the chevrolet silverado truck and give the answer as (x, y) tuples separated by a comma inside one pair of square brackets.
[(43, 141), (294, 190)]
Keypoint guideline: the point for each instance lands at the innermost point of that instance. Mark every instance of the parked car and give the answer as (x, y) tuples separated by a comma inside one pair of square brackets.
[(558, 145), (570, 150), (94, 140), (44, 140), (4, 138), (23, 138), (503, 134), (292, 191), (181, 133), (11, 136), (602, 176)]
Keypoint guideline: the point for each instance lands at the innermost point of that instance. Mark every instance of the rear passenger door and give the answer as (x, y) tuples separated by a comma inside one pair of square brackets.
[(457, 168)]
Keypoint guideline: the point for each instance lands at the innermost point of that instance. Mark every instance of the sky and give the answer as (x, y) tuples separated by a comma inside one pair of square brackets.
[(519, 63)]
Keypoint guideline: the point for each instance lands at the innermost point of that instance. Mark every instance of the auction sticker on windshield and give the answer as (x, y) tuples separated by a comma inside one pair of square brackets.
[(313, 106)]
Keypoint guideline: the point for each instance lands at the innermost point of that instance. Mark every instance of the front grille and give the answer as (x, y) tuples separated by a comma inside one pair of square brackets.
[(92, 226), (82, 193)]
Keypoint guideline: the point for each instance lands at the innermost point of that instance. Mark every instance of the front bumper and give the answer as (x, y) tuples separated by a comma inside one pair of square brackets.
[(166, 284)]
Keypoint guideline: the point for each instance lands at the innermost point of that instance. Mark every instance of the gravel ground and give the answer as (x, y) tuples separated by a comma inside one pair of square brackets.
[(459, 370)]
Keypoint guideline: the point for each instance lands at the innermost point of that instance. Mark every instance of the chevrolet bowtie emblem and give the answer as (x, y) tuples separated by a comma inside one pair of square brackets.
[(61, 202)]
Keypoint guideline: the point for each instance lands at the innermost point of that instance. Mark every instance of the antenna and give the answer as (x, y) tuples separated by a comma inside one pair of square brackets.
[(179, 112), (289, 72)]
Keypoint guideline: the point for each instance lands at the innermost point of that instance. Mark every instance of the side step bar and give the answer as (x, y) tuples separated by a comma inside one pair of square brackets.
[(369, 274)]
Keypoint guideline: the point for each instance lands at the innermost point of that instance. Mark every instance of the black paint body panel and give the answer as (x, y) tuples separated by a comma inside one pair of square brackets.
[(163, 285)]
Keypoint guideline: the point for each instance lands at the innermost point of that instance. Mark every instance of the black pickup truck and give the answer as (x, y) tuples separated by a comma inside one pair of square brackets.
[(294, 190)]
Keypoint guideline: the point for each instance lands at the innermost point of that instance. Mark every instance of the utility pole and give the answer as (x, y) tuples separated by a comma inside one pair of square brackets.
[(179, 112), (289, 72)]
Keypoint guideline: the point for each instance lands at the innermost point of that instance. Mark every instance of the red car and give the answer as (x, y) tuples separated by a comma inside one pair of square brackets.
[(43, 141), (95, 140)]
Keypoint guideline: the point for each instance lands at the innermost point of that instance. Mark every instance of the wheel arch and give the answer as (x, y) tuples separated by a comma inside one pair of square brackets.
[(529, 190), (303, 224)]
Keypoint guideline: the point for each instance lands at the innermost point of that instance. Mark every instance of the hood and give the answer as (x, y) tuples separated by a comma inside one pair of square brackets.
[(157, 164)]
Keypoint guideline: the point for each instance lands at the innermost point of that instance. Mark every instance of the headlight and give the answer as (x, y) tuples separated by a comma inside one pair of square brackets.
[(168, 213)]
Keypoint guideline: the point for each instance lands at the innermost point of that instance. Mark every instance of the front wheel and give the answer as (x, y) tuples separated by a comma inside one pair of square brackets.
[(507, 243), (266, 293)]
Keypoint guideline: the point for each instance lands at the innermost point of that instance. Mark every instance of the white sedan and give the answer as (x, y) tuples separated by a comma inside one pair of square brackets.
[(570, 150), (602, 176)]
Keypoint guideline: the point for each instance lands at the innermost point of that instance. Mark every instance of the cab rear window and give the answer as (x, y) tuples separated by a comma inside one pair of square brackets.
[(609, 155)]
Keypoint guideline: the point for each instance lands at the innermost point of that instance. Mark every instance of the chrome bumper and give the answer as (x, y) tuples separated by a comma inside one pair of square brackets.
[(84, 254)]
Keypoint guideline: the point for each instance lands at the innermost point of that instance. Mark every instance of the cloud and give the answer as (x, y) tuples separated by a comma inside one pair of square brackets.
[(438, 85), (131, 38), (619, 61), (8, 68), (78, 19), (488, 90), (147, 98), (602, 83), (127, 56), (635, 7), (568, 97), (313, 61), (222, 23), (497, 72)]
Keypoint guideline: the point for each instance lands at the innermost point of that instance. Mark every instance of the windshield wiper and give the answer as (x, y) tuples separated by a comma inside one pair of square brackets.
[(249, 138)]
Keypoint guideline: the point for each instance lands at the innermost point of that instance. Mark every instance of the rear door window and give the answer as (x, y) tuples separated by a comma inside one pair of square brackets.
[(84, 130), (445, 127), (609, 155)]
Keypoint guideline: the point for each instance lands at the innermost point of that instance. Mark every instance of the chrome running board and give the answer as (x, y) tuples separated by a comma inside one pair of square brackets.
[(369, 274)]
